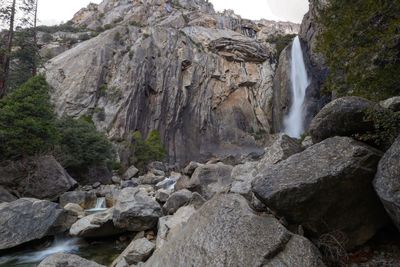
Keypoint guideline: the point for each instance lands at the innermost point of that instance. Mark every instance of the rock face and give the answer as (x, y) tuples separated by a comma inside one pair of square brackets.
[(95, 225), (226, 232), (41, 177), (67, 260), (135, 210), (28, 219), (326, 188), (211, 178), (387, 182), (342, 117), (203, 79)]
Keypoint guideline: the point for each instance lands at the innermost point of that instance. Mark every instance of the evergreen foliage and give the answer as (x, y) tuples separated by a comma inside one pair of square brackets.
[(27, 121), (281, 41), (361, 42), (146, 151)]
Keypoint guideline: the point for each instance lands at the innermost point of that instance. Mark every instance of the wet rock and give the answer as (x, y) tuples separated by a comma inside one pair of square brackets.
[(135, 210), (28, 219), (138, 251), (387, 182), (177, 200), (326, 188), (85, 199), (67, 260)]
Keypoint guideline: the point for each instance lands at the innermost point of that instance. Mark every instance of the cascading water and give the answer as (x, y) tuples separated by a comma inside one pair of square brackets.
[(294, 121), (100, 205)]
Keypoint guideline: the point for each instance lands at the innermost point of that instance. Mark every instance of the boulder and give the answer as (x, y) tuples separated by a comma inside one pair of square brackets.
[(84, 199), (130, 173), (191, 167), (28, 219), (67, 260), (150, 178), (95, 225), (177, 200), (342, 117), (134, 210), (40, 177), (162, 195), (326, 188), (392, 103), (210, 179), (6, 196), (74, 210), (387, 182), (129, 183), (227, 232), (139, 250)]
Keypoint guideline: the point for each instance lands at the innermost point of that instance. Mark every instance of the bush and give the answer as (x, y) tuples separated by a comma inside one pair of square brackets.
[(27, 121), (361, 42), (81, 146), (47, 38), (146, 151), (281, 41)]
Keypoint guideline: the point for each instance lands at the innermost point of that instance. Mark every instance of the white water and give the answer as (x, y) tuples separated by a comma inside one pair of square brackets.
[(100, 205), (294, 121)]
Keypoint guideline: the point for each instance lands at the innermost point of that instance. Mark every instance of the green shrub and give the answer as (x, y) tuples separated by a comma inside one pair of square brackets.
[(146, 151), (361, 42), (81, 146), (281, 41), (27, 121), (47, 38)]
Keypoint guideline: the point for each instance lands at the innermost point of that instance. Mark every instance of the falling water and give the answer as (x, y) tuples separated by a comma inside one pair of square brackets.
[(294, 121), (100, 205)]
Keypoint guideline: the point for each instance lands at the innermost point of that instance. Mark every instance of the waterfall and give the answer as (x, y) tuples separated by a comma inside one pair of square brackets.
[(294, 121), (100, 206)]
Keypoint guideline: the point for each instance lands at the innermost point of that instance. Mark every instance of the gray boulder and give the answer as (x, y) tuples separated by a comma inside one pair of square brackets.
[(226, 232), (130, 173), (210, 179), (326, 188), (84, 199), (138, 251), (67, 260), (95, 225), (392, 103), (6, 196), (177, 200), (150, 178), (41, 177), (191, 167), (28, 219), (342, 117), (135, 210), (162, 195), (387, 182)]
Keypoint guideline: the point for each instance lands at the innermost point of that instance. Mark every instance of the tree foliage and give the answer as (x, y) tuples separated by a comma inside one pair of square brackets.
[(27, 121), (146, 151), (361, 42)]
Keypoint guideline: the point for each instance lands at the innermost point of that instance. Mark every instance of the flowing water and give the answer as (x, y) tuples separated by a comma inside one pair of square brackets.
[(100, 206), (294, 121)]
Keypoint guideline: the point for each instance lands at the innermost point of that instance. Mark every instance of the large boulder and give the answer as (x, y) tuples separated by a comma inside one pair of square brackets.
[(67, 260), (28, 219), (135, 210), (41, 177), (227, 232), (392, 103), (342, 117), (95, 225), (326, 188), (387, 182), (84, 199), (130, 173), (177, 200), (139, 250), (211, 178)]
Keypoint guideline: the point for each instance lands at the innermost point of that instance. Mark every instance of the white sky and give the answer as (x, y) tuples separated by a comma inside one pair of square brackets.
[(56, 11)]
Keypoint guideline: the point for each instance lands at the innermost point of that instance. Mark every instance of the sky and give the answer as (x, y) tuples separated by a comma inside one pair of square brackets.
[(56, 11)]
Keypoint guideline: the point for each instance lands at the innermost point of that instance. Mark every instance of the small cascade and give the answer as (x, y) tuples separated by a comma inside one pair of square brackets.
[(294, 121), (100, 205)]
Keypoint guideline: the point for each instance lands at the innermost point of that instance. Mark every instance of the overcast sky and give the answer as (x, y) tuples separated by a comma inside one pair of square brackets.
[(55, 11)]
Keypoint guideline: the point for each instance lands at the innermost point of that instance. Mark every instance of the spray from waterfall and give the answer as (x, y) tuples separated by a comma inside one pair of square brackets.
[(294, 121)]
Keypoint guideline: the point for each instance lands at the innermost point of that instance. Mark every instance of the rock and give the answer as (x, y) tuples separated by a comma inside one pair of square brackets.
[(210, 179), (326, 188), (156, 165), (116, 179), (41, 177), (67, 260), (162, 195), (242, 176), (197, 200), (307, 142), (169, 182), (391, 103), (95, 225), (226, 232), (177, 200), (183, 182), (138, 251), (135, 210), (28, 219), (96, 185), (157, 172), (74, 210), (342, 117), (191, 167), (150, 178), (387, 182), (171, 225), (84, 199), (6, 196), (130, 173), (95, 175), (129, 183)]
